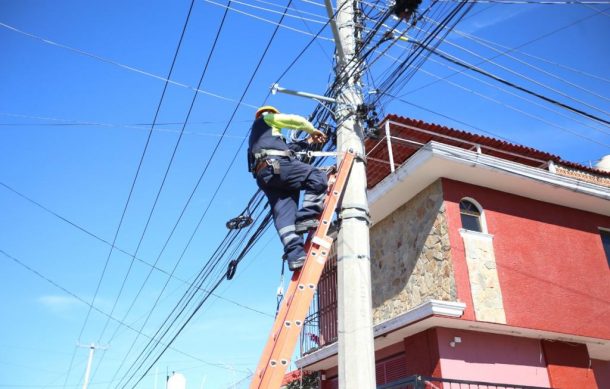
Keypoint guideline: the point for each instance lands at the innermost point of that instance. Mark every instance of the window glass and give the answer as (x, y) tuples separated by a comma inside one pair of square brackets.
[(606, 243), (470, 215)]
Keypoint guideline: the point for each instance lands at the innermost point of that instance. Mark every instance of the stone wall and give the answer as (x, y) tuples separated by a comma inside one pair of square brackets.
[(410, 256), (483, 275)]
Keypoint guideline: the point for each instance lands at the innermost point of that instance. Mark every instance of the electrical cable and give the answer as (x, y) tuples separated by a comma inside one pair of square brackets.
[(159, 191), (540, 37), (93, 307), (530, 101), (134, 179), (478, 70), (118, 64), (246, 89), (102, 240), (268, 21), (546, 72), (565, 129)]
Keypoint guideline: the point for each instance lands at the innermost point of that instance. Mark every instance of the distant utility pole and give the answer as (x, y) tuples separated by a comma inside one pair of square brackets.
[(355, 318), (92, 347)]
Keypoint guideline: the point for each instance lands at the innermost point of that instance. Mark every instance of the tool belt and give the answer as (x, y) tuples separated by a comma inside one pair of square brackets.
[(267, 162), (261, 160)]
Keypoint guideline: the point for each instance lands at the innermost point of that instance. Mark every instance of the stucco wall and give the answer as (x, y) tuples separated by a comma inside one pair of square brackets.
[(492, 358), (551, 265), (410, 256)]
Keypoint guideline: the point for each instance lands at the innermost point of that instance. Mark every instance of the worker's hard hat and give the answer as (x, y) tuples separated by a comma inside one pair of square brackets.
[(266, 108)]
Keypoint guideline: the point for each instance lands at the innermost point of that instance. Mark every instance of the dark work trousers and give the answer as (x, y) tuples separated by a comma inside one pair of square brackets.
[(282, 191)]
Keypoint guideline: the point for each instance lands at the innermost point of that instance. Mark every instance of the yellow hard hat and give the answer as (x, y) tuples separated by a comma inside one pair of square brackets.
[(266, 108)]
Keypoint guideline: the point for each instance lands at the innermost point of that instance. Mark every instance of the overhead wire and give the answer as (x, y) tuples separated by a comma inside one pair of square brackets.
[(526, 43), (521, 75), (106, 242), (266, 222), (501, 80), (507, 55), (169, 165), (47, 279), (530, 101), (320, 18), (515, 50), (246, 89), (207, 62), (133, 183), (397, 77), (565, 129), (268, 21), (119, 64)]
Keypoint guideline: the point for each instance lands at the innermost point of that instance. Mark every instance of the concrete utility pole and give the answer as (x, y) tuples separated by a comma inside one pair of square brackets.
[(88, 371), (92, 347), (356, 344)]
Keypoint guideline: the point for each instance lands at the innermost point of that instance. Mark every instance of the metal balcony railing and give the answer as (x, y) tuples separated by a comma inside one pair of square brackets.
[(423, 382), (320, 326)]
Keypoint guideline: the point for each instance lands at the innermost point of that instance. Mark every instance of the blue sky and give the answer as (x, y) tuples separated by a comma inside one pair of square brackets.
[(74, 116)]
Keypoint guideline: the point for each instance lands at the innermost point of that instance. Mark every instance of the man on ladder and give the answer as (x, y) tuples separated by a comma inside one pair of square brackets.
[(281, 176)]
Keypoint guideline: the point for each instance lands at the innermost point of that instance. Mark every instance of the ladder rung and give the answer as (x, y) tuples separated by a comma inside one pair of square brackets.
[(321, 242)]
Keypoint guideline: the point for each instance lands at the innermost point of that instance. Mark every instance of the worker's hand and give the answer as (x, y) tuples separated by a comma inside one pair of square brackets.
[(317, 136)]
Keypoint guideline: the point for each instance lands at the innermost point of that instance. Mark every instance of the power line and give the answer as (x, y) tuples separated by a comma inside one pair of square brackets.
[(320, 19), (210, 55), (210, 158), (540, 37), (558, 64), (269, 21), (120, 65), (501, 80), (137, 173), (93, 307), (562, 79), (102, 240), (559, 112), (565, 129)]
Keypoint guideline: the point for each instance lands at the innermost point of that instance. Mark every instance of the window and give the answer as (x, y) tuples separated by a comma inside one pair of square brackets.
[(605, 234), (470, 215)]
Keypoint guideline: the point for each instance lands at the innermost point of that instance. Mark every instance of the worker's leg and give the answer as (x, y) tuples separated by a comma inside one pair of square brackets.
[(297, 175), (283, 207), (315, 186), (284, 203)]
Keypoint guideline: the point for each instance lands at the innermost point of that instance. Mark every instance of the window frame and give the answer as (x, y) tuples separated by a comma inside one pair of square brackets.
[(482, 221)]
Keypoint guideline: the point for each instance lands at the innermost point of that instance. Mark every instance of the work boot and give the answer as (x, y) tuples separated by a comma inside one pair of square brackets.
[(303, 226), (296, 264)]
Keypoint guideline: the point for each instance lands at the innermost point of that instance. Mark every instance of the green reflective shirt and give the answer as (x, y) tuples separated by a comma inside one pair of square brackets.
[(277, 121)]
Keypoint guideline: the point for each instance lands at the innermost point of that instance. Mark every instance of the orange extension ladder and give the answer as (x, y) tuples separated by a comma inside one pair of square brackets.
[(289, 320)]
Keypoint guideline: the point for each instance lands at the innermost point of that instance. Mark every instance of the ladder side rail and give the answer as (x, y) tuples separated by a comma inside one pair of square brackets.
[(281, 315), (293, 324), (294, 309)]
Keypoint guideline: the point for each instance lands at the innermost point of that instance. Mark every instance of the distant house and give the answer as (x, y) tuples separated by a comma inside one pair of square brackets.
[(489, 260)]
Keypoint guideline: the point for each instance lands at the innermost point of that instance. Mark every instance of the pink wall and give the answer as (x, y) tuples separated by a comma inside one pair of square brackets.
[(547, 257), (492, 358)]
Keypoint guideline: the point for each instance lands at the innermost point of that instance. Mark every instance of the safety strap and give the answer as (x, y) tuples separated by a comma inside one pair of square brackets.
[(273, 153)]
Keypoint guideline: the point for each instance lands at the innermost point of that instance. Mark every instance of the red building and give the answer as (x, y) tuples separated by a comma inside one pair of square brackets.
[(489, 262)]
